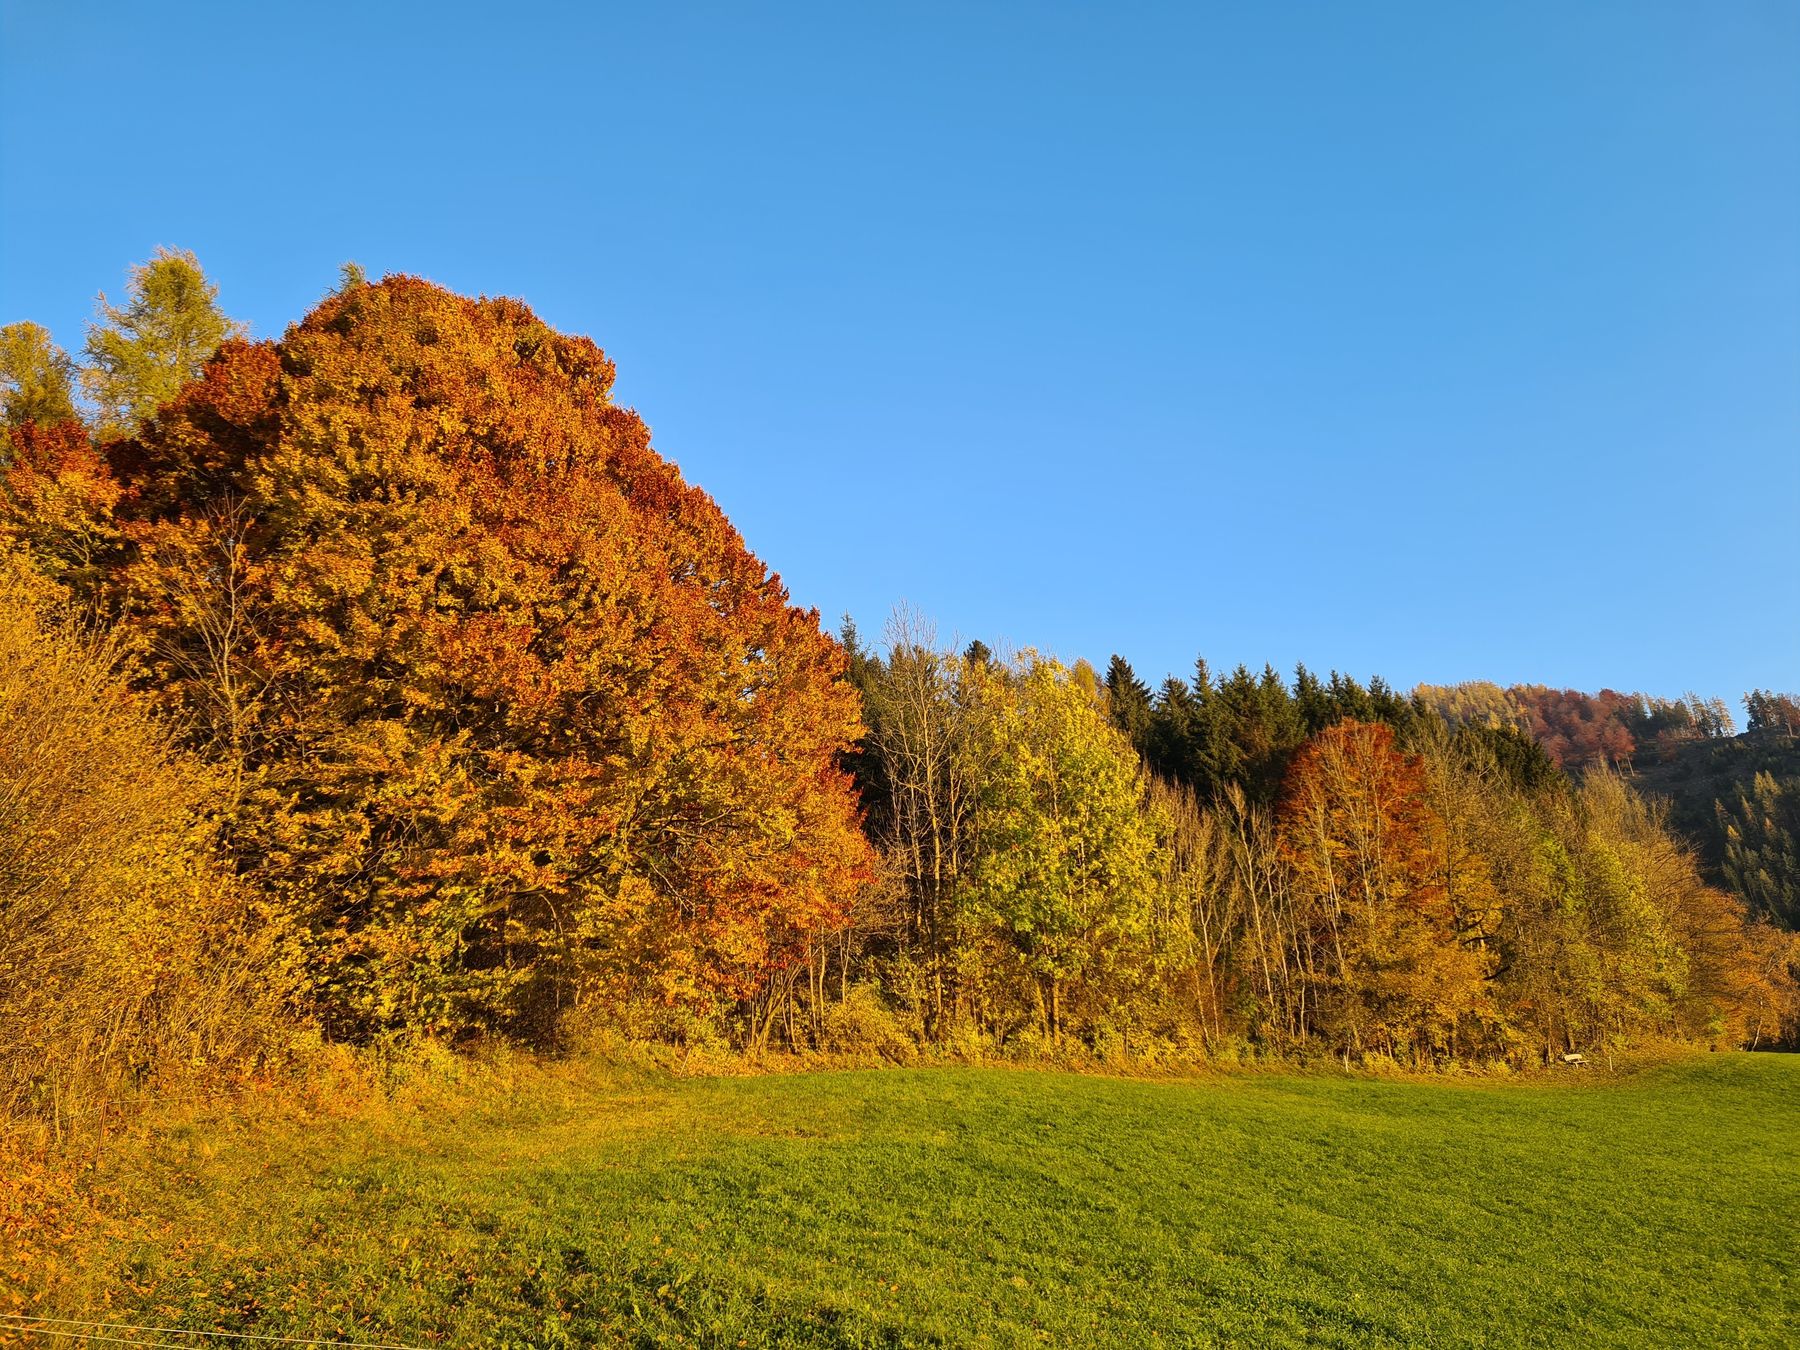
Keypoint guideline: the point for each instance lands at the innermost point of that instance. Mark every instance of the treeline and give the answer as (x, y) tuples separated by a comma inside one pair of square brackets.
[(1580, 730), (1772, 713), (1321, 868), (428, 702)]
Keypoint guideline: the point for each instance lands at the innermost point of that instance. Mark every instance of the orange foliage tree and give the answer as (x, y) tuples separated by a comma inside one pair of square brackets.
[(514, 718), (1393, 914)]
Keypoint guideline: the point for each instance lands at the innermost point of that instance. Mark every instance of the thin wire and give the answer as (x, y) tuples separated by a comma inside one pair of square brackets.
[(90, 1336), (23, 1321)]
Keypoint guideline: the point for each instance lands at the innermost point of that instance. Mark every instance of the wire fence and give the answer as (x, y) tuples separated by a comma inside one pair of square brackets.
[(75, 1328)]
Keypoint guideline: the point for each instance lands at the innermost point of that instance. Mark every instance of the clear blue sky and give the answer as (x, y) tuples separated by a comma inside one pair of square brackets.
[(1438, 341)]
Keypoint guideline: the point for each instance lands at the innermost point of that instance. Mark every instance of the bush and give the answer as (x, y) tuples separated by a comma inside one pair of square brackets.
[(863, 1023), (125, 955)]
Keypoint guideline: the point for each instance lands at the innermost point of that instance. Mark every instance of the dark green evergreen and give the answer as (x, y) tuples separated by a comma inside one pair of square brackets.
[(1128, 703), (1762, 847), (1513, 752)]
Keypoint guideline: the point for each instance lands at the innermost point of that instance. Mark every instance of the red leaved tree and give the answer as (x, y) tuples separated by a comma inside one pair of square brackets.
[(515, 718)]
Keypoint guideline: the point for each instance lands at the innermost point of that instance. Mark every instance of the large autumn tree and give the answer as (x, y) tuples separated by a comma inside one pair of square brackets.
[(512, 717)]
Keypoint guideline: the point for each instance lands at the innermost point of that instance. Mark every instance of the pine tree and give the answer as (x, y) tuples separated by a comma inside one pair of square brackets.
[(1388, 705), (1349, 700), (1174, 722), (1239, 736), (1767, 710), (1313, 703), (1128, 702), (1516, 755), (1762, 847)]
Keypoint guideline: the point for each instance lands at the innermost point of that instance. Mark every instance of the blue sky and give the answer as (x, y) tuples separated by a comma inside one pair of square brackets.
[(1436, 341)]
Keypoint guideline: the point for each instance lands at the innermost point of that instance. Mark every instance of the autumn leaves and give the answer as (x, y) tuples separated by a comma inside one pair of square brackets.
[(503, 731), (512, 717)]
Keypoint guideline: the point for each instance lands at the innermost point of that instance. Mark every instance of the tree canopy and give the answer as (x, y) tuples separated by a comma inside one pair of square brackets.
[(512, 711)]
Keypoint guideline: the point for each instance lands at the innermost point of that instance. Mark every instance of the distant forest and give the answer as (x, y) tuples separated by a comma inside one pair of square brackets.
[(381, 686)]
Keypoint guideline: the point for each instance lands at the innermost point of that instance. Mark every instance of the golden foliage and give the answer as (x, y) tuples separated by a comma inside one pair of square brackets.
[(513, 717), (123, 953)]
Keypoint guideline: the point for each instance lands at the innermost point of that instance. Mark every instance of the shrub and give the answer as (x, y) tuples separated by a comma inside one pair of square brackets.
[(124, 954), (863, 1023)]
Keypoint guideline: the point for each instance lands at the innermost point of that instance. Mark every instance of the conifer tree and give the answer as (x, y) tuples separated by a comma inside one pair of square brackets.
[(1762, 847), (1128, 702), (142, 352), (1174, 726), (1311, 700), (1768, 711), (1387, 705), (36, 380)]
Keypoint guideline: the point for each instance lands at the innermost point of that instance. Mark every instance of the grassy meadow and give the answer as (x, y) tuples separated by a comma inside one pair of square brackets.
[(594, 1205)]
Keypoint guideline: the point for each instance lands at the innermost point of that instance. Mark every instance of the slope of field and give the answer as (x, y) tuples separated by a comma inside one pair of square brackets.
[(987, 1207)]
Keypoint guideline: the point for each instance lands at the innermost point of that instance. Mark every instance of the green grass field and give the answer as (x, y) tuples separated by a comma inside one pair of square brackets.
[(990, 1207)]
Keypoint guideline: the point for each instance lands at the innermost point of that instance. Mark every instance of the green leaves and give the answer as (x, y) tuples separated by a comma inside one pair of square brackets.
[(36, 379), (142, 352), (1064, 872)]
